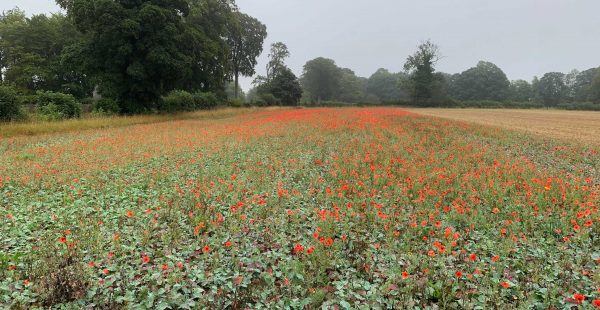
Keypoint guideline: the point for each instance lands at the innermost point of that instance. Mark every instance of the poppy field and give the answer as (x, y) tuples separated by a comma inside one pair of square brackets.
[(345, 208)]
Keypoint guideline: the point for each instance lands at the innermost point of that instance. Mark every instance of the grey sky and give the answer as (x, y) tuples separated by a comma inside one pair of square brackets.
[(523, 37)]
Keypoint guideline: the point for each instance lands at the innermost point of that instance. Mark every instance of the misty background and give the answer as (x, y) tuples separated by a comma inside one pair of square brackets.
[(525, 38)]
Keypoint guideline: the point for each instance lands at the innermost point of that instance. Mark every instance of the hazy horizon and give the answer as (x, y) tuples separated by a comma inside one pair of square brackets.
[(524, 38)]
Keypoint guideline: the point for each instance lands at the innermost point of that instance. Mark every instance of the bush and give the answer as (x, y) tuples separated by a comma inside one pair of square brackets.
[(56, 106), (268, 99), (236, 103), (177, 101), (10, 105), (106, 106), (205, 100), (582, 106)]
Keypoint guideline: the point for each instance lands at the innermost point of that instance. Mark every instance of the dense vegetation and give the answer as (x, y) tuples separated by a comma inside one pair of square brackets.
[(370, 208)]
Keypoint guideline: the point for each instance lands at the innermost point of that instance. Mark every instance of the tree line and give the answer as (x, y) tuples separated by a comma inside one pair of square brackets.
[(150, 55), (420, 84)]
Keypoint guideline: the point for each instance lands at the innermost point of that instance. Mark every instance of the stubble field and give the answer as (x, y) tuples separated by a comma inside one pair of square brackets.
[(573, 126), (300, 208)]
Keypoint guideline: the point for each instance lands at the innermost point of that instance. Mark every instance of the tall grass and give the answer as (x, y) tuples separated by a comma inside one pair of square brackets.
[(39, 127)]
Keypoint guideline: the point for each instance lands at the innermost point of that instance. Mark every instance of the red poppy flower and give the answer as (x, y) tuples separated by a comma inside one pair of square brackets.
[(228, 244), (62, 239), (164, 266), (473, 257), (146, 259), (596, 303), (404, 275), (579, 298), (505, 284), (105, 271), (310, 250), (130, 214), (458, 274), (206, 249)]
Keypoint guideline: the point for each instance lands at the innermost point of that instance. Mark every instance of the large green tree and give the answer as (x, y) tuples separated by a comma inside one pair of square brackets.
[(583, 81), (141, 50), (421, 67), (321, 79), (352, 88), (520, 91), (245, 40), (386, 85), (486, 81), (286, 88), (551, 88)]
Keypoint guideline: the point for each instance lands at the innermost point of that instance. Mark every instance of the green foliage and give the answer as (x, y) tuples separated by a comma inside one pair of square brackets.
[(594, 92), (421, 67), (205, 100), (57, 106), (352, 87), (520, 91), (551, 88), (142, 50), (321, 78), (177, 101), (386, 85), (32, 50), (582, 106), (245, 39), (10, 107), (106, 105), (484, 82), (286, 88)]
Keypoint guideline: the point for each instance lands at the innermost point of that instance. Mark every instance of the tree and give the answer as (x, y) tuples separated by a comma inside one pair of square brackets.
[(286, 88), (421, 66), (520, 91), (321, 78), (141, 50), (570, 81), (352, 87), (595, 88), (32, 50), (276, 65), (484, 82), (551, 88), (245, 40), (385, 85), (581, 87)]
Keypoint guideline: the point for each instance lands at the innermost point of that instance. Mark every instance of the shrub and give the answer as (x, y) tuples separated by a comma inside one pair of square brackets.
[(236, 103), (10, 107), (268, 99), (176, 101), (106, 106), (582, 106), (206, 100), (56, 106)]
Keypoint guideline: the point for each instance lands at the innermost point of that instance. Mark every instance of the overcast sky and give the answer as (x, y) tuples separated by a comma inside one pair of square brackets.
[(523, 37)]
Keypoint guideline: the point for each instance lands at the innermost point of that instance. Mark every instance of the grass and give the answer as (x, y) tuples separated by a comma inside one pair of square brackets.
[(299, 208), (33, 128)]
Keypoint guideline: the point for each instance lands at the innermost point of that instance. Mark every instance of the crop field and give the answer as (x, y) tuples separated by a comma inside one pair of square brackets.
[(574, 126), (343, 208)]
